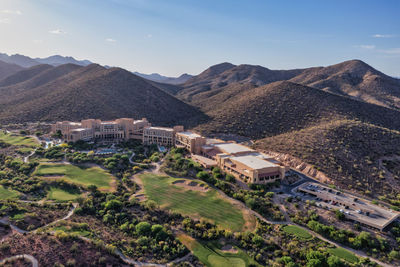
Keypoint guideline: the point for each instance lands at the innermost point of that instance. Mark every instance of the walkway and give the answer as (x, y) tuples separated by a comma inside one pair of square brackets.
[(32, 259)]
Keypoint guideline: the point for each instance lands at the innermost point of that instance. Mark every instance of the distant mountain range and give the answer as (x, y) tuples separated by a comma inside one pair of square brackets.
[(163, 79), (320, 115), (28, 62)]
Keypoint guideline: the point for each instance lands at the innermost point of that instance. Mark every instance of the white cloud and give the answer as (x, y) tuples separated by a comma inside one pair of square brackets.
[(14, 12), (37, 41), (111, 40), (365, 46), (57, 31), (4, 21), (383, 35), (149, 35)]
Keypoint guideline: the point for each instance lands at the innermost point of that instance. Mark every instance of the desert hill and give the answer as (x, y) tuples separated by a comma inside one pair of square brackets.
[(7, 69), (352, 78), (93, 92), (348, 151), (282, 107)]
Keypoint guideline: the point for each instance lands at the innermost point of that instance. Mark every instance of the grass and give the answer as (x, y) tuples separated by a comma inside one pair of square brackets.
[(61, 195), (18, 140), (297, 231), (77, 174), (7, 193), (208, 205), (210, 254), (344, 254)]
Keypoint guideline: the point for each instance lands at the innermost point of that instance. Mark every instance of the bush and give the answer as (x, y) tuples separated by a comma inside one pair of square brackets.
[(143, 228)]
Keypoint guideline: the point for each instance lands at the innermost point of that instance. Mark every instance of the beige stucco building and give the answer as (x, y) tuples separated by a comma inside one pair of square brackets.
[(162, 136), (92, 129)]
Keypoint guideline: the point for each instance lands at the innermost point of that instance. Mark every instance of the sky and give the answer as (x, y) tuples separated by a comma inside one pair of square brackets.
[(172, 37)]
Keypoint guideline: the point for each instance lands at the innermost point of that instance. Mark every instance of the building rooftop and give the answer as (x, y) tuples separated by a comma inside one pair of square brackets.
[(253, 162), (232, 148), (160, 128), (80, 130), (190, 134)]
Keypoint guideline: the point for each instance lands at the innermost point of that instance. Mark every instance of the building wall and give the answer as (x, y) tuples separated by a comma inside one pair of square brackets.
[(158, 136), (192, 144)]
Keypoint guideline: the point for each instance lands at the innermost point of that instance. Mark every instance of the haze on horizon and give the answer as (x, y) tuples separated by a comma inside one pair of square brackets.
[(178, 36)]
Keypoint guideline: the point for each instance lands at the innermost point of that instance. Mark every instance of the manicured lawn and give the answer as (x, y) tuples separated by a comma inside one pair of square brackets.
[(18, 140), (344, 254), (61, 195), (297, 231), (210, 255), (7, 193), (206, 205), (77, 174)]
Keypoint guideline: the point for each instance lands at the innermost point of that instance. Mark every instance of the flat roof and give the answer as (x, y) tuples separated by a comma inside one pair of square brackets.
[(160, 128), (190, 134), (232, 148), (80, 129), (253, 162)]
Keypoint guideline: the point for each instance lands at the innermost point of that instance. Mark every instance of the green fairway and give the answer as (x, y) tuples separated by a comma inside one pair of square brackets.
[(206, 205), (7, 193), (18, 140), (344, 254), (61, 195), (77, 174), (212, 256), (297, 231)]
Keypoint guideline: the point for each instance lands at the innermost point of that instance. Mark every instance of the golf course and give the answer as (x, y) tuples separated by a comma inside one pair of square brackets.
[(18, 140), (80, 175), (196, 202), (6, 193), (59, 194), (211, 254)]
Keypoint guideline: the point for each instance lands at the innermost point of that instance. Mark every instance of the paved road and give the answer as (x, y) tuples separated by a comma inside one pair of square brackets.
[(32, 259)]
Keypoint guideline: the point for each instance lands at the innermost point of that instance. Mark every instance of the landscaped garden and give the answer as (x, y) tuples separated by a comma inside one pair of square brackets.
[(344, 254), (297, 231), (208, 204), (81, 175)]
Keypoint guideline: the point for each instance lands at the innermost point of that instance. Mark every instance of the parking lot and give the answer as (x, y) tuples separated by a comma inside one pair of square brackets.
[(354, 208)]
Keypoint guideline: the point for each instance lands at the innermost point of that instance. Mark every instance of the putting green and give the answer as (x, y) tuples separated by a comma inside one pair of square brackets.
[(210, 255), (208, 205), (61, 195), (77, 174)]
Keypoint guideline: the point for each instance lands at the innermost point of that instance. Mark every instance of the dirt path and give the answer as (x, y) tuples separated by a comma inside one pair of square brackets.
[(32, 259)]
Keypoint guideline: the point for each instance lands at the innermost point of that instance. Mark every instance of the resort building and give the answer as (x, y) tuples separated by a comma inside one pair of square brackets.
[(161, 136), (190, 141), (108, 131)]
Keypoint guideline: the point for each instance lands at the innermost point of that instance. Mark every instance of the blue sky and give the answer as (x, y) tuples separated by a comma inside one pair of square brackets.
[(176, 36)]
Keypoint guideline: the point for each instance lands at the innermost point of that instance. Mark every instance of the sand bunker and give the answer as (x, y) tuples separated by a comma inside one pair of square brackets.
[(191, 185), (229, 248)]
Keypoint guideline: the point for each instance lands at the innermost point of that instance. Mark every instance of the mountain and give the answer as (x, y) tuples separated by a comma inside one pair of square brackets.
[(57, 60), (353, 78), (27, 62), (91, 92), (155, 77), (348, 151), (356, 79), (19, 60), (7, 69), (24, 75), (284, 106)]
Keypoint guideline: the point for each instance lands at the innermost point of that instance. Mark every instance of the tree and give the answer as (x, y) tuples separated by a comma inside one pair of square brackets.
[(334, 261), (339, 215), (143, 228), (113, 205)]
